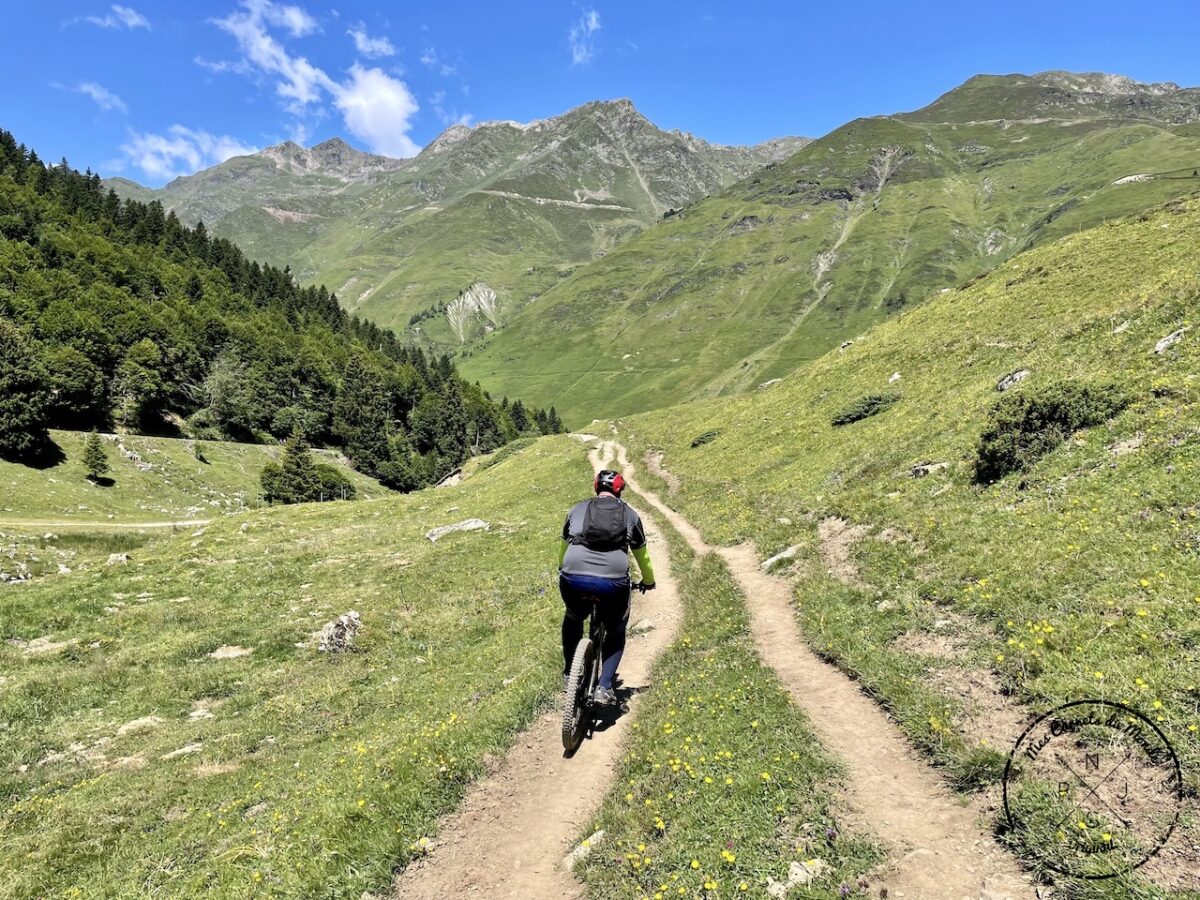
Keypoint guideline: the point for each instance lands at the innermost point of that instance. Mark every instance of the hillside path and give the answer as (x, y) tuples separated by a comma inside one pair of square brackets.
[(91, 523), (938, 845), (511, 833)]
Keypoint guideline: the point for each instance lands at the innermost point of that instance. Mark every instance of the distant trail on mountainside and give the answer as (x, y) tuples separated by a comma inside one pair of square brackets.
[(939, 847), (511, 833)]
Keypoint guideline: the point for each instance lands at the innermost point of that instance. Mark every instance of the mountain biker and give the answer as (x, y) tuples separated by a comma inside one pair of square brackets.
[(593, 561)]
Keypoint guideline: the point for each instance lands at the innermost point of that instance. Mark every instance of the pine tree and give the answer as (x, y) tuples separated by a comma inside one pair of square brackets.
[(23, 395), (452, 442), (294, 479), (95, 459), (520, 418), (360, 416)]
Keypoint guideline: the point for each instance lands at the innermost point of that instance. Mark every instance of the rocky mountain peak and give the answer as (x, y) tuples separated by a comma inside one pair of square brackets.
[(333, 157)]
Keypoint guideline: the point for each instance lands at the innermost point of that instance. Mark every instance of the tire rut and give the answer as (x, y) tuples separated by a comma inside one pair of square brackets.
[(510, 835), (938, 846)]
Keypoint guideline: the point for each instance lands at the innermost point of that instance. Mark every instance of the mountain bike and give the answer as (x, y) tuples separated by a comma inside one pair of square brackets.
[(579, 708)]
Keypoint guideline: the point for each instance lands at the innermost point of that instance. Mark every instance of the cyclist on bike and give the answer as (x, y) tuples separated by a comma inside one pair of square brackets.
[(593, 560)]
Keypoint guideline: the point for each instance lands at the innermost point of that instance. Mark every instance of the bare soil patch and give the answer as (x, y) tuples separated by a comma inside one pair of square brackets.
[(838, 537)]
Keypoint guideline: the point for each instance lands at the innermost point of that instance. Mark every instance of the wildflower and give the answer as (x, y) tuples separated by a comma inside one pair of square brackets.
[(695, 863)]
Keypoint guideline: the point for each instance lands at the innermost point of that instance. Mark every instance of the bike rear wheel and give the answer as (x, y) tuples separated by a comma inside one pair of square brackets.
[(578, 701)]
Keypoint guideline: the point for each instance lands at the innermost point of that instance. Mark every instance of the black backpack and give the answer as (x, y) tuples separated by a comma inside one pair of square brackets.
[(604, 525)]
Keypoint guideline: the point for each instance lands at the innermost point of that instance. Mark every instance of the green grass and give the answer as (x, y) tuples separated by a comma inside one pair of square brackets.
[(315, 776), (723, 784), (176, 486), (1077, 578), (29, 553), (695, 307)]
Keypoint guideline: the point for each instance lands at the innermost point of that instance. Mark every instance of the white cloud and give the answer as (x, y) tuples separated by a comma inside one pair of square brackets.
[(582, 38), (448, 116), (378, 108), (104, 98), (220, 66), (429, 58), (370, 47), (299, 81), (375, 106), (293, 18), (180, 152), (118, 17)]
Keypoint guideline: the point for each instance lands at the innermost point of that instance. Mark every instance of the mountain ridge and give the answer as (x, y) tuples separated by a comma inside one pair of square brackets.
[(860, 224), (514, 205)]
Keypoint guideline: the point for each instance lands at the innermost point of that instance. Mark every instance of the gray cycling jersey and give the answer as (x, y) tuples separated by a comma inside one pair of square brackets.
[(579, 560)]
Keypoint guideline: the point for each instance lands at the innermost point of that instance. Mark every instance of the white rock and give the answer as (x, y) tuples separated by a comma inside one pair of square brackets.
[(1169, 341), (895, 377), (806, 872), (118, 559), (338, 636), (584, 850), (782, 556), (182, 751), (137, 726), (467, 525), (1012, 379), (231, 651), (767, 384), (920, 470), (643, 626)]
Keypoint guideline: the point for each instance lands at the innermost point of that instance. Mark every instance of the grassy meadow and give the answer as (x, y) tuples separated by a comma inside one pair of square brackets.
[(964, 607), (780, 268), (144, 751), (168, 479)]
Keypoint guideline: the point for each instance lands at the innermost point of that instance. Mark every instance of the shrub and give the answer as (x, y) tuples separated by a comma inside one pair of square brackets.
[(1024, 426), (702, 439), (863, 408), (335, 484)]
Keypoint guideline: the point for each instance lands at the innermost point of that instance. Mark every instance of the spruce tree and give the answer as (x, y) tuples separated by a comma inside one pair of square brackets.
[(294, 479), (95, 459), (520, 418), (360, 416)]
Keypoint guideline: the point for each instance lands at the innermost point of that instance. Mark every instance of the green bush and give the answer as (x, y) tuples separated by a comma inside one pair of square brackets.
[(1026, 425), (863, 407), (702, 439), (335, 484)]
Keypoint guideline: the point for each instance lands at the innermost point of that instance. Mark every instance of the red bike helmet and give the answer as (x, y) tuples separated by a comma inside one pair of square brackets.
[(608, 480)]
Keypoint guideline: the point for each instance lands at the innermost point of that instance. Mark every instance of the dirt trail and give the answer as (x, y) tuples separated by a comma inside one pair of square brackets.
[(88, 524), (511, 833), (938, 845)]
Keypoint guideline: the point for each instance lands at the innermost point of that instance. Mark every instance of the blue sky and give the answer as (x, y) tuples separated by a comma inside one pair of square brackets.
[(154, 89)]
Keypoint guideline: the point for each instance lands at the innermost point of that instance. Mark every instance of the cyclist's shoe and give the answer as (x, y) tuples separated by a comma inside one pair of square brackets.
[(607, 696)]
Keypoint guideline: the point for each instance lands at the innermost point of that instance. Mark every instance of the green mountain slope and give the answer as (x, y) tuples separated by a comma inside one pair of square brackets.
[(511, 205), (114, 313), (864, 222), (967, 607)]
